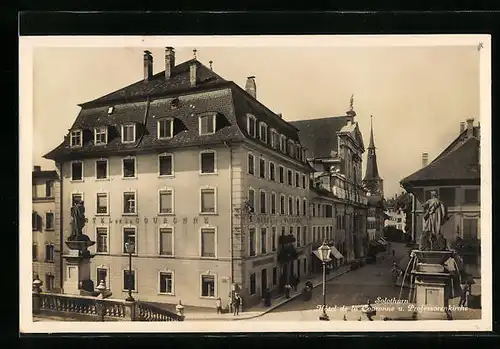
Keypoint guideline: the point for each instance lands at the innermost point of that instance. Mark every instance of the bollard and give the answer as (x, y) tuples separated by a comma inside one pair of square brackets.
[(180, 309), (36, 295)]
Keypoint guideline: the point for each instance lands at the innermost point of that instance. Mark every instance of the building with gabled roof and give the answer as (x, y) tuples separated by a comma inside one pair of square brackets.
[(202, 176), (455, 176)]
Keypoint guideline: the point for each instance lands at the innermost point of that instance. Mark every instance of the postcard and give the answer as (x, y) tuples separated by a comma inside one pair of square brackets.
[(255, 184)]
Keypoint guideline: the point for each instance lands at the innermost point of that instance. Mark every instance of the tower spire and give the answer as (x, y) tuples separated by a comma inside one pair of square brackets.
[(372, 179), (372, 144)]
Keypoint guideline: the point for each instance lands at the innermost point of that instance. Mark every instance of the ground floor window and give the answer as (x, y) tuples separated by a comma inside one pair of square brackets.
[(166, 282), (129, 280), (275, 276), (49, 282), (208, 286), (252, 283), (102, 275), (305, 266)]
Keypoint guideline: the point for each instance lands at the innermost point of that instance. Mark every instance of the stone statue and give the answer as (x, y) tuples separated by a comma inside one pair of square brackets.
[(434, 217), (77, 222)]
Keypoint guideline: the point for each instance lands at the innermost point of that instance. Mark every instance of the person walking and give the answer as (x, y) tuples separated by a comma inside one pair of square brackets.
[(393, 252), (236, 304), (287, 290), (218, 305)]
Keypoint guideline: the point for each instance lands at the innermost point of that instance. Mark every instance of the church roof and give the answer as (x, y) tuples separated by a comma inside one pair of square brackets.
[(371, 173)]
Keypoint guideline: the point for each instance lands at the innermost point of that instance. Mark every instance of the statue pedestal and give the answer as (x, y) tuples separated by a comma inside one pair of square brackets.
[(77, 269), (432, 286)]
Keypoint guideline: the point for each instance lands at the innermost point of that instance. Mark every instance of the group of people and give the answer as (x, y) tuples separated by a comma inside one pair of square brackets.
[(237, 304)]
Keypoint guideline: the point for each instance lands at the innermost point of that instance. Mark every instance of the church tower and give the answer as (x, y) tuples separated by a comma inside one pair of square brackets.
[(372, 180)]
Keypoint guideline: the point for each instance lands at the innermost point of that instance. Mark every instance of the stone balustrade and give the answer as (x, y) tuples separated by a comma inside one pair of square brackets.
[(100, 309)]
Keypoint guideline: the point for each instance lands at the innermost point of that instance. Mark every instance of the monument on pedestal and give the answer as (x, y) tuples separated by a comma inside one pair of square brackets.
[(433, 267), (77, 271)]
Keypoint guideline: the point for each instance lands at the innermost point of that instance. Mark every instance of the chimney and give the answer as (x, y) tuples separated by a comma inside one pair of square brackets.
[(250, 86), (193, 74), (470, 127), (280, 115), (462, 127), (169, 61), (425, 159), (37, 168), (148, 66)]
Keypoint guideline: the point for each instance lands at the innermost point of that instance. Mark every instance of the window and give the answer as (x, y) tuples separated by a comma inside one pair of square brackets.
[(49, 187), (303, 181), (77, 171), (207, 162), (263, 197), (165, 128), (314, 234), (102, 203), (251, 199), (128, 167), (102, 275), (253, 284), (111, 110), (251, 241), (128, 133), (290, 177), (329, 211), (101, 169), (49, 282), (208, 242), (263, 132), (129, 203), (274, 139), (291, 148), (298, 152), (323, 233), (208, 201), (273, 203), (470, 228), (208, 286), (166, 242), (297, 180), (290, 206), (304, 235), (313, 210), (251, 164), (76, 138), (272, 171), (129, 280), (283, 143), (282, 204), (166, 282), (263, 240), (102, 241), (129, 236), (207, 124), (304, 207), (101, 135), (166, 201), (298, 236), (282, 175), (49, 221), (49, 253), (275, 276), (305, 266), (262, 168), (471, 196), (165, 165), (297, 206), (34, 252), (251, 125), (273, 239)]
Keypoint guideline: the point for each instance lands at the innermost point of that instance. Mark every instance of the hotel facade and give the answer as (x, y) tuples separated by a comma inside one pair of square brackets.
[(210, 185)]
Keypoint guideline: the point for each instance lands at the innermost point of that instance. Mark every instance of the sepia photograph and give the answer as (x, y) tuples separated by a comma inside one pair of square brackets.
[(309, 183)]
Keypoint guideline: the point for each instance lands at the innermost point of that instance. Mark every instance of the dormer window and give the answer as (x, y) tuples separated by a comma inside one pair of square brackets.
[(263, 132), (111, 110), (298, 153), (101, 135), (291, 148), (128, 133), (251, 128), (76, 138), (174, 104), (207, 124), (165, 128), (283, 143), (274, 139)]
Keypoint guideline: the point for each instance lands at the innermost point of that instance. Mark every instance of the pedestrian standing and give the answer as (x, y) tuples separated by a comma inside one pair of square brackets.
[(287, 290), (236, 304), (218, 305), (463, 295)]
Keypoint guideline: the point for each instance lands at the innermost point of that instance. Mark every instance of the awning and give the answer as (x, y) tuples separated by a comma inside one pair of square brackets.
[(382, 242), (336, 252)]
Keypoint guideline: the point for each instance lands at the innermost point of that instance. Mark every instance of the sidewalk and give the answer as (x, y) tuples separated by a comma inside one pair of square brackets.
[(259, 310)]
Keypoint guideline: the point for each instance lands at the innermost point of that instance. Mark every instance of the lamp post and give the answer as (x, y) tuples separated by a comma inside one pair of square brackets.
[(130, 247), (324, 255)]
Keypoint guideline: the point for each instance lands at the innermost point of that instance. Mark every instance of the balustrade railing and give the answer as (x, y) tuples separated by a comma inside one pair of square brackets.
[(102, 309)]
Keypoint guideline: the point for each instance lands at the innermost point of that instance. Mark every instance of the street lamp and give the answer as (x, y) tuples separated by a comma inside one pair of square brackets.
[(324, 255), (130, 248)]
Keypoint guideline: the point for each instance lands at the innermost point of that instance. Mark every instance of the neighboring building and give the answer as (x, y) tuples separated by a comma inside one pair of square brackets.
[(201, 175), (376, 217), (455, 176), (395, 218), (45, 222), (334, 148)]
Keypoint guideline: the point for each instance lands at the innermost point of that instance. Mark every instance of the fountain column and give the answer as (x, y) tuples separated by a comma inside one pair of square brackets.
[(77, 268)]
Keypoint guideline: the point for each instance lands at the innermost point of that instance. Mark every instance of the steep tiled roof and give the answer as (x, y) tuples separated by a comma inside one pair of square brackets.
[(462, 137), (158, 85), (319, 136), (462, 163)]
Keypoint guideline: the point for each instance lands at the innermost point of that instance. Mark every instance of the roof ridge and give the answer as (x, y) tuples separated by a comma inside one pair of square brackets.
[(323, 118)]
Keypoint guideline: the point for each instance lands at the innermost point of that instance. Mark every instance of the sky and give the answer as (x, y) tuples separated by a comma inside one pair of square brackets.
[(417, 95)]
